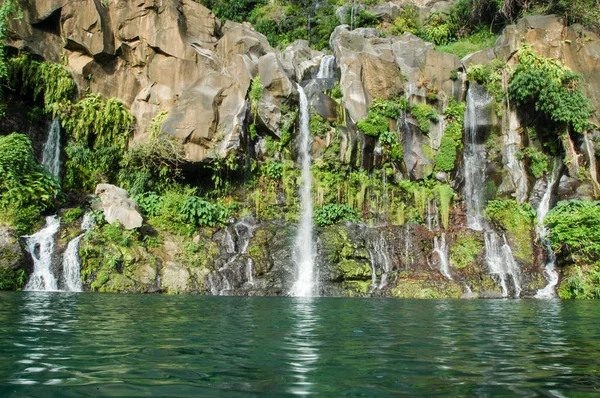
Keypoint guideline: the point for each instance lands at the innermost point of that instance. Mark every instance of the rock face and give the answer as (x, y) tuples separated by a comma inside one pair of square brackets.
[(11, 255), (249, 258), (160, 55), (117, 205)]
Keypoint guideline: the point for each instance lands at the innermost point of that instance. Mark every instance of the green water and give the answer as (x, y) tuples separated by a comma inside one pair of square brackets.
[(57, 344)]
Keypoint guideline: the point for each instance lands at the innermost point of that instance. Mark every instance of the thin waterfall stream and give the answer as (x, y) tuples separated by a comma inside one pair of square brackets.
[(542, 232), (304, 255), (51, 153)]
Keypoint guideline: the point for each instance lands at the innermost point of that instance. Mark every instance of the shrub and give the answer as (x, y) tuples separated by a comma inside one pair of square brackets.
[(446, 156), (202, 213), (538, 164), (551, 89), (25, 187), (71, 215), (424, 113), (334, 213), (407, 21), (574, 228), (12, 279), (464, 251), (150, 203)]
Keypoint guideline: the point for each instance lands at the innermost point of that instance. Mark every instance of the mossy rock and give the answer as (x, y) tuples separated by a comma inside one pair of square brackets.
[(414, 288), (356, 288), (354, 269)]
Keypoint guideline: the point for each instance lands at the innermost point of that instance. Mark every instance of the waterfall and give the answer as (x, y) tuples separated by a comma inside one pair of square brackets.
[(41, 247), (378, 256), (326, 68), (542, 232), (51, 153), (304, 253), (501, 262), (477, 117), (71, 263), (441, 248)]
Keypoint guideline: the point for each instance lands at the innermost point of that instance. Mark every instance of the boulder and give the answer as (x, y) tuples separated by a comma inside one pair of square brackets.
[(117, 205), (11, 255), (368, 68)]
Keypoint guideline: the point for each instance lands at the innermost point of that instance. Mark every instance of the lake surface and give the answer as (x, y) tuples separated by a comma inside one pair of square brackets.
[(59, 344)]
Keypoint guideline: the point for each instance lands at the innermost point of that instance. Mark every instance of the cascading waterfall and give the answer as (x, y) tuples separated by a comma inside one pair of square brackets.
[(441, 249), (498, 254), (379, 259), (41, 247), (51, 153), (71, 263), (501, 262), (477, 116), (326, 68), (542, 232), (304, 251)]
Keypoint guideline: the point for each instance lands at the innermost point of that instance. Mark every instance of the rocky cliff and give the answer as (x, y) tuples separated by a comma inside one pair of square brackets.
[(415, 239)]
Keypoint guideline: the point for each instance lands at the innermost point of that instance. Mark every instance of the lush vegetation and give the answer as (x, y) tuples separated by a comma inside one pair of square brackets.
[(26, 189), (552, 90), (334, 213)]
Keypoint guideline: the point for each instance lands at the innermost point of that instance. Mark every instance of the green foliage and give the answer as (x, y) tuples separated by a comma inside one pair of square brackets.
[(468, 45), (379, 115), (446, 156), (202, 213), (407, 21), (150, 203), (574, 228), (26, 189), (509, 215), (12, 279), (392, 146), (464, 251), (272, 169), (152, 165), (10, 9), (285, 21), (489, 76), (424, 113), (99, 123), (71, 215), (50, 80), (362, 19), (85, 168), (580, 282), (334, 213), (234, 10), (444, 194), (319, 126), (439, 28), (551, 89), (255, 94), (538, 164)]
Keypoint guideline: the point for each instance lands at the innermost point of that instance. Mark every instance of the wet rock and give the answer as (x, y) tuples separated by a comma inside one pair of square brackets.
[(11, 255)]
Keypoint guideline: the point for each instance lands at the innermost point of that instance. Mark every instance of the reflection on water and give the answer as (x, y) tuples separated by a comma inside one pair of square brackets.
[(302, 346), (44, 331), (127, 345)]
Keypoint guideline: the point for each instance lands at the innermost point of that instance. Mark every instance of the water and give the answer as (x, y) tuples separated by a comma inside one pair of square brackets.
[(326, 68), (76, 345), (304, 251), (51, 153), (542, 232), (441, 249), (477, 119), (500, 261), (41, 247), (71, 263)]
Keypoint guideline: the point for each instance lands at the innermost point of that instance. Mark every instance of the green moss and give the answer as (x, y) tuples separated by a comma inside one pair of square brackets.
[(517, 220), (354, 269), (464, 251), (470, 44), (424, 289), (580, 282), (356, 288)]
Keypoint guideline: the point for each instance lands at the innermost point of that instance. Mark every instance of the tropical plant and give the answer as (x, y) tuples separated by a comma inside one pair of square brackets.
[(334, 213)]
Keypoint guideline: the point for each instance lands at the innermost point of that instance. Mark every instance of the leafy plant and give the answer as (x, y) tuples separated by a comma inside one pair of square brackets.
[(574, 228), (334, 213), (551, 89), (71, 215), (202, 213), (424, 113)]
